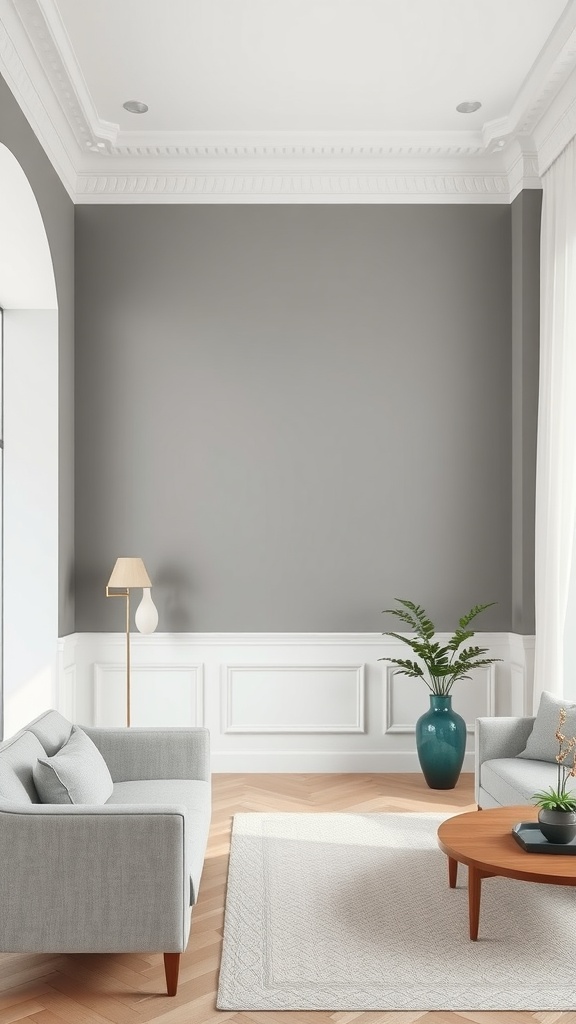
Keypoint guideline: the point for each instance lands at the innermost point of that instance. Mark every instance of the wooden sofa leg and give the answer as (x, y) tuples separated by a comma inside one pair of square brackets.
[(172, 967)]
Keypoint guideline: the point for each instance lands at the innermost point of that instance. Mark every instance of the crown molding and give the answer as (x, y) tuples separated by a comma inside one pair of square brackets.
[(522, 168), (294, 186), (99, 163), (24, 76), (365, 147), (49, 39), (555, 63), (557, 126)]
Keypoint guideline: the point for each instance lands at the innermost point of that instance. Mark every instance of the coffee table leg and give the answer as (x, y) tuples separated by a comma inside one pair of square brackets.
[(474, 883), (452, 872)]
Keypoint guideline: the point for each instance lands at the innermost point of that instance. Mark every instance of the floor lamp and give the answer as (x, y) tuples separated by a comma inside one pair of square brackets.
[(127, 574)]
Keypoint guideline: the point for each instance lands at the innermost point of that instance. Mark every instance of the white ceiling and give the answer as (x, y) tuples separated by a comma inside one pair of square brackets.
[(271, 90), (306, 65)]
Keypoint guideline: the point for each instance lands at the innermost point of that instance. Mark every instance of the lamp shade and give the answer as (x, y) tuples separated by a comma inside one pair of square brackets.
[(129, 572)]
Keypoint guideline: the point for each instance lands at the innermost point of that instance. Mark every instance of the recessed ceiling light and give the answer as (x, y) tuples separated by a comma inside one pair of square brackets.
[(135, 106), (463, 108)]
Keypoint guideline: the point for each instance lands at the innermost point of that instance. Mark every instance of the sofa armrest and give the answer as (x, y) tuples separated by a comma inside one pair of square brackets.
[(83, 878), (499, 737), (135, 753)]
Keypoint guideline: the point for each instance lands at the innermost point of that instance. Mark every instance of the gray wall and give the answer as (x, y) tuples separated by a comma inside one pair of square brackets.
[(57, 212), (526, 210), (294, 413)]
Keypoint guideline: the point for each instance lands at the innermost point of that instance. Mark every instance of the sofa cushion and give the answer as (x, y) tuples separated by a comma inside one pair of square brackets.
[(194, 796), (52, 729), (513, 781), (76, 774), (17, 758), (542, 744)]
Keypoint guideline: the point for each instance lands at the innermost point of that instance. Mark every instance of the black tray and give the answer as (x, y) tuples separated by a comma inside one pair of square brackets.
[(528, 835)]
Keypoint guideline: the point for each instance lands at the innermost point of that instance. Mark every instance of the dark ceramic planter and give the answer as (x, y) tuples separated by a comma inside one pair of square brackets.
[(557, 826), (441, 742)]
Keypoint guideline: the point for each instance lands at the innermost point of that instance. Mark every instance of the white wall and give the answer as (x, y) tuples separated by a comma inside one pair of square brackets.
[(30, 514), (282, 702), (26, 274), (30, 475)]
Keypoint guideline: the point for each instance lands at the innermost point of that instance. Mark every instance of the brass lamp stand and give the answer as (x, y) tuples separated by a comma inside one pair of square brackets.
[(126, 574)]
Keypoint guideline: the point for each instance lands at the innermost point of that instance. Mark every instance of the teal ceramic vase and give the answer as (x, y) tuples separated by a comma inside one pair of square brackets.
[(441, 742)]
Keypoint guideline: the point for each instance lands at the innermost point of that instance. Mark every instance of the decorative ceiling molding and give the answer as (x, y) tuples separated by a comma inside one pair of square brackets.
[(559, 73), (313, 186), (99, 163), (557, 126), (51, 45), (555, 63), (364, 146), (23, 75), (521, 166)]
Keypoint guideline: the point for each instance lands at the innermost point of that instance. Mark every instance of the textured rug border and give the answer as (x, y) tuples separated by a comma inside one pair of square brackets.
[(463, 997)]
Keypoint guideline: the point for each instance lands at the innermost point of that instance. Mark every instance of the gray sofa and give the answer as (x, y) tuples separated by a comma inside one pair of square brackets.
[(501, 777), (117, 877)]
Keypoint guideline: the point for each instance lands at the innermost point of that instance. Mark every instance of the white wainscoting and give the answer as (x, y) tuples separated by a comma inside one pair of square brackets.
[(160, 694), (312, 702), (293, 699), (407, 699)]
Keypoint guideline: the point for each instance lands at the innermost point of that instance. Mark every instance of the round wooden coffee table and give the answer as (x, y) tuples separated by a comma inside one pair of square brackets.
[(483, 840)]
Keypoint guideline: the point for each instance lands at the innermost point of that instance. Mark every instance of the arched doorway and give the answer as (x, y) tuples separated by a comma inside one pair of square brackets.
[(30, 453)]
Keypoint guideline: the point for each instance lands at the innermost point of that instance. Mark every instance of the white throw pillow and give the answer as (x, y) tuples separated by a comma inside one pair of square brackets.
[(542, 744), (76, 774)]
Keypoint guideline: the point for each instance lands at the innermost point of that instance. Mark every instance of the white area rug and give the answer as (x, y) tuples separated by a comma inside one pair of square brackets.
[(353, 912)]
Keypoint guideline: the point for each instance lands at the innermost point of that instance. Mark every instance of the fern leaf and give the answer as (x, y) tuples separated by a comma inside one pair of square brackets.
[(426, 628), (472, 652), (459, 637), (409, 668), (466, 619), (404, 639), (469, 665), (405, 616)]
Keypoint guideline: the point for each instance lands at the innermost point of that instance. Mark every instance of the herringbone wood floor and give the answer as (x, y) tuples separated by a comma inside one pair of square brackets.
[(128, 989)]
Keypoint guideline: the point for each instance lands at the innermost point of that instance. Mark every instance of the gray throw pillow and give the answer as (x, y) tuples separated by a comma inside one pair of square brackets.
[(542, 744), (76, 774)]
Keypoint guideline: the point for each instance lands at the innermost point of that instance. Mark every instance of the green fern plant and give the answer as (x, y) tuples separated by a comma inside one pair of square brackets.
[(444, 663)]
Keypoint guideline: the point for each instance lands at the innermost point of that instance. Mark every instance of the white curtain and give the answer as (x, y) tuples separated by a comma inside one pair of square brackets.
[(556, 446)]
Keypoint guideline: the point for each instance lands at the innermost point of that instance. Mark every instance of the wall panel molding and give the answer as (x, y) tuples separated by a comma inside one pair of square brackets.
[(292, 699), (161, 694), (476, 700), (250, 690)]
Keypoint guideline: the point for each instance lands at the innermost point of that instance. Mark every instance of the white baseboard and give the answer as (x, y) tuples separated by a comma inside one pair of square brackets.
[(322, 762), (282, 702)]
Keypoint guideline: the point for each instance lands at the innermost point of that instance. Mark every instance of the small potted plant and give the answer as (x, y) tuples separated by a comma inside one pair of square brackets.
[(557, 814), (440, 732)]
